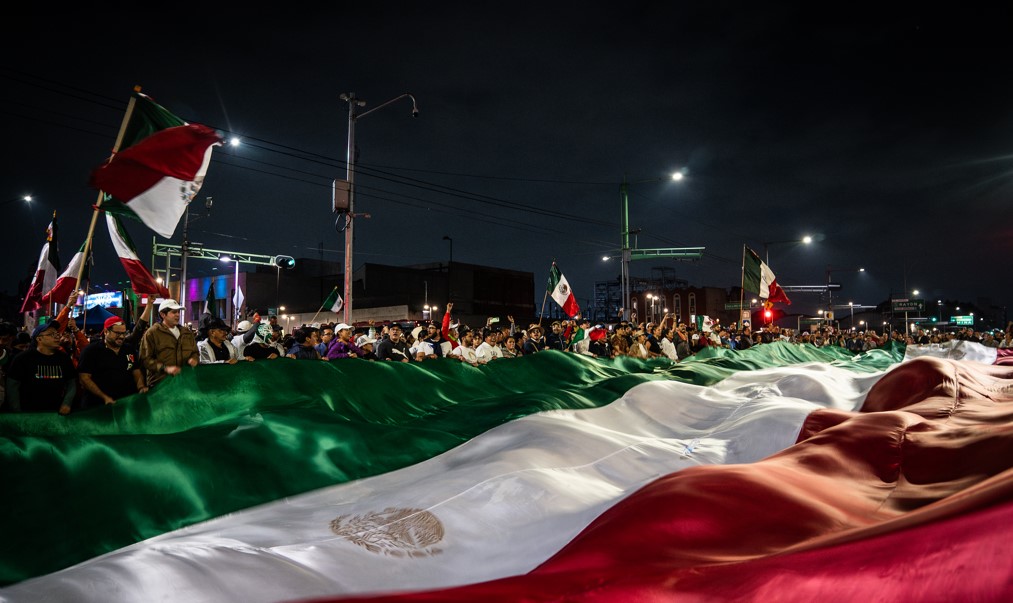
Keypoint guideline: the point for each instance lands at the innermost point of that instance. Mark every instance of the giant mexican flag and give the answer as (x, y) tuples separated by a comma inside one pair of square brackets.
[(779, 473)]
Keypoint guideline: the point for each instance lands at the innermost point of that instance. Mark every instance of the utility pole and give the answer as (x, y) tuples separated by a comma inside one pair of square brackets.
[(350, 155)]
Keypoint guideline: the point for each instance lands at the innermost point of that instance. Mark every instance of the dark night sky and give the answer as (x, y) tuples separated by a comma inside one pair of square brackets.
[(886, 135)]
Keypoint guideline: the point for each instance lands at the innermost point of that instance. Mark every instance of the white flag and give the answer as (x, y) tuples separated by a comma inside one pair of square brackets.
[(237, 299)]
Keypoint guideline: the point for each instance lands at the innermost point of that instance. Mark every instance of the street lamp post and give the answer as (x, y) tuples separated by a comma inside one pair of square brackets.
[(851, 305), (626, 252), (26, 198), (766, 252), (353, 117), (185, 250), (830, 292), (235, 290)]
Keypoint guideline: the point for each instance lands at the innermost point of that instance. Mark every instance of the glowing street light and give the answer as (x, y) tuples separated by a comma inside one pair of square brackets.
[(805, 240)]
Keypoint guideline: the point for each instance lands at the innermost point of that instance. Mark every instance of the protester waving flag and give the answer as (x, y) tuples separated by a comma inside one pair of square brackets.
[(560, 291)]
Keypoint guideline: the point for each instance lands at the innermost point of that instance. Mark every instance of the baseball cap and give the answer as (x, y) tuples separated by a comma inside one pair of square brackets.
[(168, 304), (40, 328), (364, 340), (112, 321), (217, 323), (244, 326), (341, 326)]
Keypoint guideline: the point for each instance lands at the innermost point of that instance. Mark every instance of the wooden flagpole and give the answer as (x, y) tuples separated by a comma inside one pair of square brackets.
[(101, 195), (544, 298), (314, 319)]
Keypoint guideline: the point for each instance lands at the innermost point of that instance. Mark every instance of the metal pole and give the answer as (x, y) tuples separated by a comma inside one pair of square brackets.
[(235, 298), (830, 293), (350, 223), (182, 267), (354, 102), (625, 234)]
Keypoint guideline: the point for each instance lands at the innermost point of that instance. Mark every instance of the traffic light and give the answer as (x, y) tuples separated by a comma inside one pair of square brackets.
[(284, 261)]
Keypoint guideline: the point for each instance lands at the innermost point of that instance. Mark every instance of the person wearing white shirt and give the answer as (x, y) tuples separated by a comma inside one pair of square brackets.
[(465, 352), (488, 350)]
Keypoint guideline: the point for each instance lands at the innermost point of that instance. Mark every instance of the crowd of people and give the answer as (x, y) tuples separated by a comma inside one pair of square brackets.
[(57, 368)]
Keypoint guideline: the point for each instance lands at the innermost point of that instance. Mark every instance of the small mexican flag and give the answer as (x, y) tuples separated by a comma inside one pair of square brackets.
[(560, 291), (334, 303)]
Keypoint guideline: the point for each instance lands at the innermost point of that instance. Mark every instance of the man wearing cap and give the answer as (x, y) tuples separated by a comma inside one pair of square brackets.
[(167, 345), (109, 369), (217, 349), (393, 347), (342, 345), (535, 342), (556, 340), (42, 378), (245, 332), (365, 343)]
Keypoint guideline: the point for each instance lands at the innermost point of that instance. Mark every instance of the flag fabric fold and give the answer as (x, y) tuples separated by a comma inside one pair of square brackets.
[(210, 303), (561, 293), (141, 279), (760, 279), (333, 303), (46, 271), (783, 472), (237, 300), (209, 425), (156, 178), (66, 283)]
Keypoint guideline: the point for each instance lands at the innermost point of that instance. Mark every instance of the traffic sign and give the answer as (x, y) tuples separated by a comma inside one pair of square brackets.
[(908, 305)]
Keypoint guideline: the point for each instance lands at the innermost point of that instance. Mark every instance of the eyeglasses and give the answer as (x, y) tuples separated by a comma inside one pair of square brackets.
[(119, 333)]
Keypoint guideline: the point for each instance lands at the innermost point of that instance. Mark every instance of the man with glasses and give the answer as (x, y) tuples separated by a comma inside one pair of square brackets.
[(43, 377), (109, 369)]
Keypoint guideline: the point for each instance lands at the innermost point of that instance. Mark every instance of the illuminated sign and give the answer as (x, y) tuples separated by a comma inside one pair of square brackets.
[(963, 320), (106, 299)]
